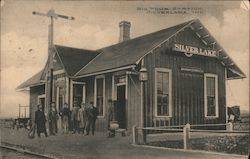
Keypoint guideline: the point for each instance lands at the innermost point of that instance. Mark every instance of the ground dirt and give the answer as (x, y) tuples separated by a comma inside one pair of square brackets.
[(94, 147)]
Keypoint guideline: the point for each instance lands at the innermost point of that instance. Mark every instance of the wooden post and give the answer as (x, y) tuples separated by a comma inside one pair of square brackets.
[(25, 112), (144, 134), (134, 135), (230, 126), (186, 136), (19, 111)]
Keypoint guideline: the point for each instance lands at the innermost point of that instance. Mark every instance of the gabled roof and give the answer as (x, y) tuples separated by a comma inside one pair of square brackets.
[(33, 81), (80, 62), (233, 71), (128, 52), (74, 59)]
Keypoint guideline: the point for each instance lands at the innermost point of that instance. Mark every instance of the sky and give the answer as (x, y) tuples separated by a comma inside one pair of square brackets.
[(24, 37)]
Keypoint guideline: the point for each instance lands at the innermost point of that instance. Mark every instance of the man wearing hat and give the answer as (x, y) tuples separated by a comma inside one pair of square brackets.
[(82, 117), (40, 121), (92, 113), (53, 117), (65, 114), (75, 118)]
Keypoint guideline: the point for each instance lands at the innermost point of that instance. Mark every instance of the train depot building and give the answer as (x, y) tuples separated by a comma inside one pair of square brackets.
[(170, 77)]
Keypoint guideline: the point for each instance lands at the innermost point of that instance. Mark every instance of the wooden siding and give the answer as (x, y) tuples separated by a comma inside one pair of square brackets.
[(101, 122), (133, 102), (133, 106), (187, 87)]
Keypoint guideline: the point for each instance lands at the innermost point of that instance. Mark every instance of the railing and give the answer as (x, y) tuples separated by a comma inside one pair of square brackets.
[(182, 136)]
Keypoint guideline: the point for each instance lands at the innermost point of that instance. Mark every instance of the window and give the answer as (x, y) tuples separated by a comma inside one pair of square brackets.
[(163, 92), (211, 95), (100, 95)]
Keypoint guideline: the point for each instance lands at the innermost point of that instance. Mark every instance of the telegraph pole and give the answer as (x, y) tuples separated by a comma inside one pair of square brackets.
[(49, 71)]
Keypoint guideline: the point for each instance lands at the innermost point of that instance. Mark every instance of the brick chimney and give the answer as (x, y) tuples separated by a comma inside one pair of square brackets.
[(124, 31)]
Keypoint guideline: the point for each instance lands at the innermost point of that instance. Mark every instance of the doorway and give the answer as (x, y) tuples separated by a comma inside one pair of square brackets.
[(41, 100), (77, 93), (120, 109)]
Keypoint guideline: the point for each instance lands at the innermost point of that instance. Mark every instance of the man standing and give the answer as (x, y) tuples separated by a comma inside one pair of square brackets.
[(82, 118), (92, 116), (75, 118), (65, 114), (40, 121), (111, 132), (53, 117)]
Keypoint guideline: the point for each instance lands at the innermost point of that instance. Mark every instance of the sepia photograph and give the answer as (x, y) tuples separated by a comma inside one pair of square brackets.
[(124, 79)]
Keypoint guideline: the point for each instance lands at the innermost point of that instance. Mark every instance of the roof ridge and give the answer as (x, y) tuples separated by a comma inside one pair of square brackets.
[(142, 36), (188, 23), (70, 47), (175, 27)]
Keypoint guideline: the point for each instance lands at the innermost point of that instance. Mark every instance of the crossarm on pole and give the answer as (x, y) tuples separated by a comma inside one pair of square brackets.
[(38, 13), (66, 17)]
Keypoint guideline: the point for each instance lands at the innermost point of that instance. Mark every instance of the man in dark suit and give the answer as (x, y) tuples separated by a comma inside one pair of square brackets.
[(74, 118), (92, 113), (40, 121)]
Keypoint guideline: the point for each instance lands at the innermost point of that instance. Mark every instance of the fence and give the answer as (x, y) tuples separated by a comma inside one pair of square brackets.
[(23, 111), (193, 137)]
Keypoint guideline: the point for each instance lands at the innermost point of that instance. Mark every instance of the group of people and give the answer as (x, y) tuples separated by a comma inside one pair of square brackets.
[(81, 119)]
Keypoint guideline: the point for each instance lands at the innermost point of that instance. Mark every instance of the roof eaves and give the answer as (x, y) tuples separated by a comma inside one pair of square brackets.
[(106, 71), (151, 50), (27, 87), (241, 74), (238, 73), (233, 78)]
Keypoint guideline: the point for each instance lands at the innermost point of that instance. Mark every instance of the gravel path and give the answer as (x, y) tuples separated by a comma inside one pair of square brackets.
[(95, 147)]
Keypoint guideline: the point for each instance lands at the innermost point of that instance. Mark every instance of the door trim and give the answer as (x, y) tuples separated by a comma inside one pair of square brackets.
[(71, 91), (38, 99)]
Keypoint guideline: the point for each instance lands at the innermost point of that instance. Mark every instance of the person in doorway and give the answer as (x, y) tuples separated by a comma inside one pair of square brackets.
[(53, 117), (111, 132), (65, 114), (82, 118), (74, 118), (92, 116), (40, 121)]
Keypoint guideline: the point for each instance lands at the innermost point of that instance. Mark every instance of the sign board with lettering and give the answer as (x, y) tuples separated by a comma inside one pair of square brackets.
[(190, 50)]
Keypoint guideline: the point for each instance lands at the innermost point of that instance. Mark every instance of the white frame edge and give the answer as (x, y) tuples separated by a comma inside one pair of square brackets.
[(216, 96), (170, 91), (95, 94)]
